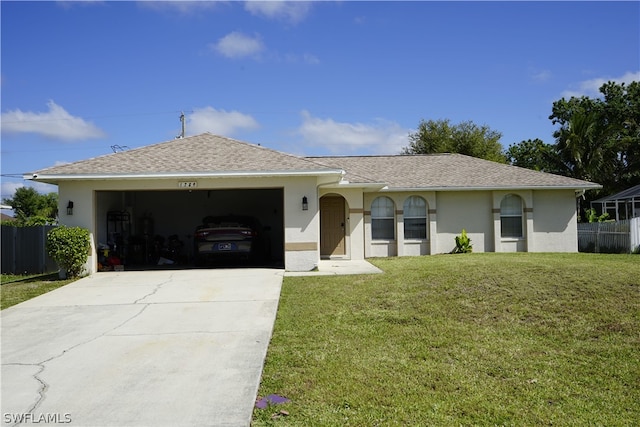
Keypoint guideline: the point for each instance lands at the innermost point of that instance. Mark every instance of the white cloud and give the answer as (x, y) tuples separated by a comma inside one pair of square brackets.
[(219, 122), (380, 137), (9, 188), (56, 123), (238, 45), (310, 59), (184, 7), (541, 76), (305, 58), (292, 11), (591, 87), (67, 4)]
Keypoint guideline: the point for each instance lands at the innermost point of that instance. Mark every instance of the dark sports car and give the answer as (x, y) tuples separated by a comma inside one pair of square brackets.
[(231, 236)]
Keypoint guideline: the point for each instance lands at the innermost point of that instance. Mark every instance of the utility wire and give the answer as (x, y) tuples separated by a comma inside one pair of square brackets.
[(95, 117)]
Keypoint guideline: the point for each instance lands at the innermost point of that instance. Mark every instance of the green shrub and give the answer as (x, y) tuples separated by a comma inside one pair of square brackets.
[(463, 244), (592, 216), (69, 247)]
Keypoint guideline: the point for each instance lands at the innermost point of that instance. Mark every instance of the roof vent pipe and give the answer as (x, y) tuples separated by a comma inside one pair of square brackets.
[(182, 122)]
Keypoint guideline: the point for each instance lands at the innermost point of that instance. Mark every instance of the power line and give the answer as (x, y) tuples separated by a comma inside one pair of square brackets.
[(95, 117)]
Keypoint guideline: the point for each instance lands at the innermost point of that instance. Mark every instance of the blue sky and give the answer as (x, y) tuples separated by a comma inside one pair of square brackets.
[(339, 78)]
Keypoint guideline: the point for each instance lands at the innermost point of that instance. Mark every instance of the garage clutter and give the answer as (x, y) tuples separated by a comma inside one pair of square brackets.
[(142, 249)]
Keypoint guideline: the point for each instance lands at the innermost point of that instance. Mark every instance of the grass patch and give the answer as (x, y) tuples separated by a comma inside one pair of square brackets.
[(474, 339), (16, 289)]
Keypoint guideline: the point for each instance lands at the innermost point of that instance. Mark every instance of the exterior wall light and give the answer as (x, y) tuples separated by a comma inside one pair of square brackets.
[(305, 204), (70, 208)]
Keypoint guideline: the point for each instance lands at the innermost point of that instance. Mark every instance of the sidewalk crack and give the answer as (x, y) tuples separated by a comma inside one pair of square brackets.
[(42, 392), (157, 288)]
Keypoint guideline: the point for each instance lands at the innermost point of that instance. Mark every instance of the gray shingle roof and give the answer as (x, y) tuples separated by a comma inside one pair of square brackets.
[(211, 154), (196, 154), (444, 171)]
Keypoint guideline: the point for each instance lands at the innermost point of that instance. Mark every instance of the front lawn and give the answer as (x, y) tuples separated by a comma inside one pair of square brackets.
[(473, 339), (16, 289)]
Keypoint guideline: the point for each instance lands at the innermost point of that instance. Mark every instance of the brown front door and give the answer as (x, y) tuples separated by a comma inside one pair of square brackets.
[(332, 226)]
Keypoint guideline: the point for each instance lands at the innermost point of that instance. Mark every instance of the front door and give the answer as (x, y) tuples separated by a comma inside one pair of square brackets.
[(332, 221)]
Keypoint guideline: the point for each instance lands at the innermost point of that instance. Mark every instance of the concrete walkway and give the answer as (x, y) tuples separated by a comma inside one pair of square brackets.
[(330, 267), (152, 348)]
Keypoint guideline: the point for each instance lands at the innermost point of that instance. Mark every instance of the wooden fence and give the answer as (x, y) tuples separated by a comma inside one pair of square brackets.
[(24, 250), (609, 237)]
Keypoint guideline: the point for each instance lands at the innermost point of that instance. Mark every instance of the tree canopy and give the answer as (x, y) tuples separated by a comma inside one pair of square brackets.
[(598, 139), (441, 136), (33, 208), (534, 154)]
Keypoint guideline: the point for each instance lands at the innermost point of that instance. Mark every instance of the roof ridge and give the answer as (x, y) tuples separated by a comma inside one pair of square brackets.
[(384, 155), (259, 146)]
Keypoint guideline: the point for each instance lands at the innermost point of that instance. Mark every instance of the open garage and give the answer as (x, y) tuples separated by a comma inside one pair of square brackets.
[(147, 229)]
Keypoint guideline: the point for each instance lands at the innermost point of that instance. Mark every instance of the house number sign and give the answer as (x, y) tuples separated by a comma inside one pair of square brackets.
[(187, 184)]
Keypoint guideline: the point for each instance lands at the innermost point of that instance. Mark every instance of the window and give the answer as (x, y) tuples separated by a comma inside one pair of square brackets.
[(382, 219), (511, 216), (415, 218)]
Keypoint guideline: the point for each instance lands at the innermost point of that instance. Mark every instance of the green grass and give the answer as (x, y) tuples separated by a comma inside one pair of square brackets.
[(16, 289), (473, 339)]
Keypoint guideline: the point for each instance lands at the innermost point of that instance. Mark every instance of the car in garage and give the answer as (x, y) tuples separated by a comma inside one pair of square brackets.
[(230, 237)]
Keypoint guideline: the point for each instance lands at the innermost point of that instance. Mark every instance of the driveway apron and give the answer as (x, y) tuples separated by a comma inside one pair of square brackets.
[(153, 348)]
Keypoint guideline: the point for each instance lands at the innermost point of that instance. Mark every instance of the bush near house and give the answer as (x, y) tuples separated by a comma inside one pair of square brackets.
[(463, 244), (69, 247)]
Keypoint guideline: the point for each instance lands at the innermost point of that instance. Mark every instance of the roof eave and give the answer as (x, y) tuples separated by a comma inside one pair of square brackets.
[(370, 186), (497, 188), (54, 178)]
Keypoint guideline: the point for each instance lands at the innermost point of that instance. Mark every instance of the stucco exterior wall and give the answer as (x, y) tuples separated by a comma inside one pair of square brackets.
[(83, 214), (554, 227), (469, 210)]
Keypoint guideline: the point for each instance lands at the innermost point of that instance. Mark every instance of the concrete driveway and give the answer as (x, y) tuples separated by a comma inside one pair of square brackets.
[(153, 348)]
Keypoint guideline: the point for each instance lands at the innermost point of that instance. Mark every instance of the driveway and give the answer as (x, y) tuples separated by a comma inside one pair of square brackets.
[(153, 348)]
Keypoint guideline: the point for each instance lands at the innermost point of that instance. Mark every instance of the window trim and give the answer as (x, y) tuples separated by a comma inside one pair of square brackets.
[(425, 218), (386, 218), (512, 215)]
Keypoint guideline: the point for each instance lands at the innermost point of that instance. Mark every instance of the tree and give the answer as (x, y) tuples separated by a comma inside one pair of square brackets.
[(535, 154), (33, 208), (440, 136), (599, 139)]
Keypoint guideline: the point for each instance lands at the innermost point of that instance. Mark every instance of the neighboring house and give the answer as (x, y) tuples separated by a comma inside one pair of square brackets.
[(317, 207), (622, 205), (4, 216)]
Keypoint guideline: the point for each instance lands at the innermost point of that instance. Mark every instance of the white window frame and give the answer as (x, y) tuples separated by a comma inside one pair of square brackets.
[(509, 212), (387, 217), (408, 215)]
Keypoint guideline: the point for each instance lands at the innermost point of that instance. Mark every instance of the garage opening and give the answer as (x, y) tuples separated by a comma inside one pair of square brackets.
[(192, 228)]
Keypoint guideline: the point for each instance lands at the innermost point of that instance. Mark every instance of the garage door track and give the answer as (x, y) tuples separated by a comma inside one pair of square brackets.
[(153, 348)]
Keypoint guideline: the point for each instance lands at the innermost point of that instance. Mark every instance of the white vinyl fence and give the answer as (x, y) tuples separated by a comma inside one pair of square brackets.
[(609, 237)]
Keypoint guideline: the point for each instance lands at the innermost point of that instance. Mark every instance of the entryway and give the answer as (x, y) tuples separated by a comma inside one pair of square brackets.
[(332, 227)]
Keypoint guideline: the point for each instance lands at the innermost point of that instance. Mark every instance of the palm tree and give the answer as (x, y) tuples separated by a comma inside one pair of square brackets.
[(583, 146)]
